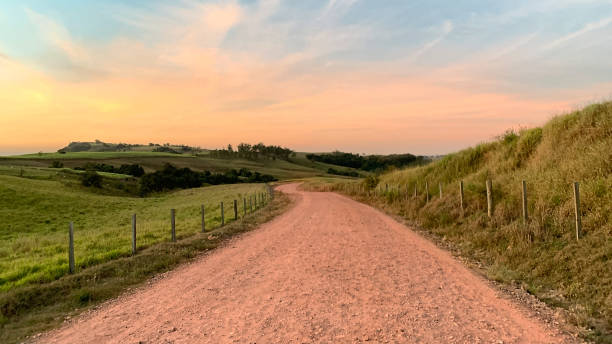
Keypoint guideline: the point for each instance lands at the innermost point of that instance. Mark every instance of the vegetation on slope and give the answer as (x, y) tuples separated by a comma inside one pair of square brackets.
[(36, 213), (33, 308), (542, 254)]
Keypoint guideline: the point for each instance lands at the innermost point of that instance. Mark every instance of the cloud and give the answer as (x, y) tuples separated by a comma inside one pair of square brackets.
[(447, 28), (58, 36), (337, 6), (586, 29)]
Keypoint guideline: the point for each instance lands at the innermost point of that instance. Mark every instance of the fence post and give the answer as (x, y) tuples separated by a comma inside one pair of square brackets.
[(250, 204), (440, 189), (386, 188), (415, 190), (203, 219), (524, 188), (222, 215), (489, 199), (173, 223), (461, 195), (71, 248), (427, 191), (235, 210), (133, 234), (577, 208), (244, 206)]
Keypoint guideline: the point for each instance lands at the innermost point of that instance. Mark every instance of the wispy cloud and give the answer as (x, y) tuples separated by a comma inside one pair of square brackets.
[(446, 28), (586, 29), (58, 36)]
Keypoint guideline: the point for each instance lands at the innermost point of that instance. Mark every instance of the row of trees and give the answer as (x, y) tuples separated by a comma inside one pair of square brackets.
[(129, 169), (253, 152), (371, 163), (171, 177)]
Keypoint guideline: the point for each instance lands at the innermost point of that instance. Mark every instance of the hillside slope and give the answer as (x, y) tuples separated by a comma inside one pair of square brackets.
[(543, 254)]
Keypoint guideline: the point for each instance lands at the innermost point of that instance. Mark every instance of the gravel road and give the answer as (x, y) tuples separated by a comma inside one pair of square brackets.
[(329, 270)]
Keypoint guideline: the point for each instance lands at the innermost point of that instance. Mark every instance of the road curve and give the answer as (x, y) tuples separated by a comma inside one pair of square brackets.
[(329, 270)]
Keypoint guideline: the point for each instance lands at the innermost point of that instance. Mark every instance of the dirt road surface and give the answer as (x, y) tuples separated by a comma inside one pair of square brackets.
[(330, 270)]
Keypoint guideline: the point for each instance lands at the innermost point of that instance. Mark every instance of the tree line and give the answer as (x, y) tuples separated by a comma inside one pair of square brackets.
[(372, 163), (171, 177), (253, 152)]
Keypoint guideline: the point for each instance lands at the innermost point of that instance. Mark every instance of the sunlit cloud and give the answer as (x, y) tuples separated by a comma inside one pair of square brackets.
[(586, 29), (309, 75)]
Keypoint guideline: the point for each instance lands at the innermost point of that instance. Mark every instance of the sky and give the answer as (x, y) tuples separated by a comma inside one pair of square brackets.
[(365, 76)]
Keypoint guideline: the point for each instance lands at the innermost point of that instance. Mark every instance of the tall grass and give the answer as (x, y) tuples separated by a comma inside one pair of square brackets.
[(543, 254)]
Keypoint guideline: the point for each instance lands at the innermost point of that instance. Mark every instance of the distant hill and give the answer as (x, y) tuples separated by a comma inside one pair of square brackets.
[(99, 146)]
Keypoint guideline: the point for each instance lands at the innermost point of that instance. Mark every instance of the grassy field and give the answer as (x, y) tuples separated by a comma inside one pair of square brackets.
[(30, 309), (543, 254), (35, 215), (297, 167)]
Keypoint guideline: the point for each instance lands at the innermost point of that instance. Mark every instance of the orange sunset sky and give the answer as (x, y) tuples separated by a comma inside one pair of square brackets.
[(354, 75)]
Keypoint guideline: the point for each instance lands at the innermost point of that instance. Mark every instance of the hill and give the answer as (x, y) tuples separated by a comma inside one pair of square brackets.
[(543, 254)]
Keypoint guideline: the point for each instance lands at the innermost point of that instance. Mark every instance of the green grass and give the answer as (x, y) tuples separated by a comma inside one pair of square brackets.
[(94, 155), (296, 167), (35, 214), (542, 254), (30, 309)]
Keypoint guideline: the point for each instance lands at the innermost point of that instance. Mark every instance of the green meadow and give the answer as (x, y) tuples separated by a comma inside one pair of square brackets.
[(36, 210)]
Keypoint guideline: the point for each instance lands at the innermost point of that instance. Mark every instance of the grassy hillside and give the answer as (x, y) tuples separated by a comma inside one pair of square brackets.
[(36, 214), (29, 309), (543, 254), (296, 167)]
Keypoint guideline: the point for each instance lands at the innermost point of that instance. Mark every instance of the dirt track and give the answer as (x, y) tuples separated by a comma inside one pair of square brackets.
[(330, 270)]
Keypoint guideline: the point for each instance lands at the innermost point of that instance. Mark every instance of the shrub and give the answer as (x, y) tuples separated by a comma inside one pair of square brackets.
[(91, 178)]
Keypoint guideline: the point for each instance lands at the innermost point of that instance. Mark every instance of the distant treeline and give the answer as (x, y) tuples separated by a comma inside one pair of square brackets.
[(342, 173), (132, 169), (170, 178), (253, 152), (369, 162)]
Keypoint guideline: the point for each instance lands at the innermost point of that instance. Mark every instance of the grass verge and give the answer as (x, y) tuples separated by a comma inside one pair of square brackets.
[(35, 308)]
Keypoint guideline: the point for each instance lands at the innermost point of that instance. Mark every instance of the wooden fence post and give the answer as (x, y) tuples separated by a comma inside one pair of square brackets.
[(427, 191), (577, 208), (71, 247), (386, 188), (133, 234), (173, 223), (489, 199), (250, 204), (222, 215), (440, 189), (203, 219), (524, 189), (415, 190), (244, 206), (461, 195), (235, 210)]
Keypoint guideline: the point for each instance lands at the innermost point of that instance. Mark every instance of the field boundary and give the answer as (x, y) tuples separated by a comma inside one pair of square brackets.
[(30, 310)]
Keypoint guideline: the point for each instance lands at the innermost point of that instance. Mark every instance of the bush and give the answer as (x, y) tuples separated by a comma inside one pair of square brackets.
[(91, 178), (57, 164)]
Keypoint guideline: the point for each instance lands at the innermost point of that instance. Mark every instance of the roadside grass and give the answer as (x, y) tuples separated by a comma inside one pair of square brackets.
[(35, 214), (543, 254), (30, 309)]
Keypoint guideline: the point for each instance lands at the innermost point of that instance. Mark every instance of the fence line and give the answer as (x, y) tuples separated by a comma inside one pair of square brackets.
[(489, 198), (263, 200)]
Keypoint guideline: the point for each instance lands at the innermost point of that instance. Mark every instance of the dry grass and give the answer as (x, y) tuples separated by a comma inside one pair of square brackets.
[(543, 253)]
